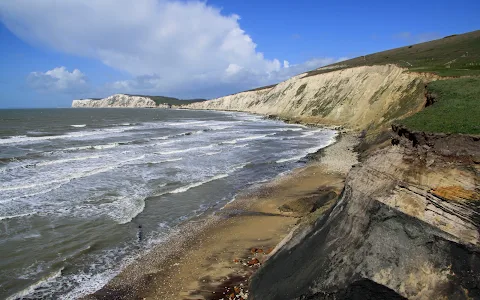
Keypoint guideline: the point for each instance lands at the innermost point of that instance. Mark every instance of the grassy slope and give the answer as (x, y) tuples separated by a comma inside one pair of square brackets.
[(445, 57), (457, 55), (457, 109)]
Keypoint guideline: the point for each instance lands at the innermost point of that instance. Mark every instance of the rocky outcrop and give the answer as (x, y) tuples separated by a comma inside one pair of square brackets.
[(358, 98), (407, 225), (454, 145), (118, 100)]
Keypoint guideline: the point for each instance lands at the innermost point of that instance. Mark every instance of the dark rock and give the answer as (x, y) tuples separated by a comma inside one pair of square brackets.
[(311, 202), (363, 289), (430, 99), (362, 240), (458, 145)]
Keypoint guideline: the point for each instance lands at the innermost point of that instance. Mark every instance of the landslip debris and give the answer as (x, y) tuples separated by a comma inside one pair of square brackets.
[(239, 291)]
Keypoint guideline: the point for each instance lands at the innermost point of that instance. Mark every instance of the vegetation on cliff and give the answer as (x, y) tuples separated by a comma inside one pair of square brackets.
[(372, 91), (456, 108), (170, 100), (456, 55), (161, 100)]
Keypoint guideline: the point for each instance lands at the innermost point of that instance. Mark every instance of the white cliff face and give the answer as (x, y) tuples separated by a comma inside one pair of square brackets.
[(356, 97), (118, 100)]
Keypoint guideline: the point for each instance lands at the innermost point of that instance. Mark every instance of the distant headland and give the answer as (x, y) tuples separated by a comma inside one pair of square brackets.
[(133, 101)]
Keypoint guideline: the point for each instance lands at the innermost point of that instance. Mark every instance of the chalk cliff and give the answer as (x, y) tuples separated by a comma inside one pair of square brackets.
[(357, 98), (118, 100)]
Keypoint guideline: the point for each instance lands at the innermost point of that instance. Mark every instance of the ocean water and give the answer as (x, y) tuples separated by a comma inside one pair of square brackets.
[(75, 184)]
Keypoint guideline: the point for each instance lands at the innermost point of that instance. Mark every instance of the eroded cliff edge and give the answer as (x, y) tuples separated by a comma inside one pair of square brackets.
[(408, 221), (357, 98), (407, 225)]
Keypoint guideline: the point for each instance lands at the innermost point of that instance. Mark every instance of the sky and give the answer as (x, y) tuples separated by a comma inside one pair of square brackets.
[(54, 51)]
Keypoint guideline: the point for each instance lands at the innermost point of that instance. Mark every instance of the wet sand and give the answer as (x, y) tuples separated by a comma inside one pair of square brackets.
[(213, 257)]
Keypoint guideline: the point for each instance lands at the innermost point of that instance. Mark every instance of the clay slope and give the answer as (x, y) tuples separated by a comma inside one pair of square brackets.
[(357, 98)]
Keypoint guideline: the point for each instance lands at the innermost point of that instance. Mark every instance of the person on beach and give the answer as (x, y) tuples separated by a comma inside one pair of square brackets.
[(140, 233)]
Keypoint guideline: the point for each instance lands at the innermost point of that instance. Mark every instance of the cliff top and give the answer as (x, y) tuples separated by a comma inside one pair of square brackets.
[(455, 55), (158, 99), (169, 100), (453, 107), (454, 104)]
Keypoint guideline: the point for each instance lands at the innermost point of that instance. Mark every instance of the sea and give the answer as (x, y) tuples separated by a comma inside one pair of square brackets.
[(76, 185)]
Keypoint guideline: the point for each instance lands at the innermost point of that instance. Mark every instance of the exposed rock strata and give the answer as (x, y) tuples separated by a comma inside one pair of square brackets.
[(357, 98), (408, 220), (407, 224), (118, 100)]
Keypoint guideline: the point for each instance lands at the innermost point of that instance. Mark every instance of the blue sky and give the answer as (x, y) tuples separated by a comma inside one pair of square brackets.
[(55, 51)]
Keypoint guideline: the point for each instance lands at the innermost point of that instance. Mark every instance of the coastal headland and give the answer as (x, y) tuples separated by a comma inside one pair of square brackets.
[(390, 211)]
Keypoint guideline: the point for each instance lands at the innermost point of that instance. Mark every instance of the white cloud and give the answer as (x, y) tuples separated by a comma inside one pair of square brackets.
[(58, 80), (165, 45), (235, 77), (233, 69)]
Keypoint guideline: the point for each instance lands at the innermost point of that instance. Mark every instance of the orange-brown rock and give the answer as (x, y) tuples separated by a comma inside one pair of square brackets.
[(455, 193), (253, 262)]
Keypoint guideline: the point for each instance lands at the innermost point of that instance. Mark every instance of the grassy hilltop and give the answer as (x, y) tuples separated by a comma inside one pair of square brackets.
[(455, 55), (169, 100), (457, 100), (162, 100)]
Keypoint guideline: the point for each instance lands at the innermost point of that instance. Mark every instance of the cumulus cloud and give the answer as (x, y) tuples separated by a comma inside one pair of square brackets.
[(236, 77), (165, 45), (58, 80)]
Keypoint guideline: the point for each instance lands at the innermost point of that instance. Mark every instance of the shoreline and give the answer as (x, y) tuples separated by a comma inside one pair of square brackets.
[(305, 121), (213, 256)]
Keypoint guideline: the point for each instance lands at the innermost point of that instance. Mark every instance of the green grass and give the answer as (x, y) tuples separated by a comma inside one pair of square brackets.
[(457, 55), (450, 72), (170, 100), (262, 88), (163, 100), (457, 109)]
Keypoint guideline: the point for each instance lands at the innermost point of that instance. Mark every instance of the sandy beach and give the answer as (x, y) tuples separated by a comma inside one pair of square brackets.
[(213, 257)]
